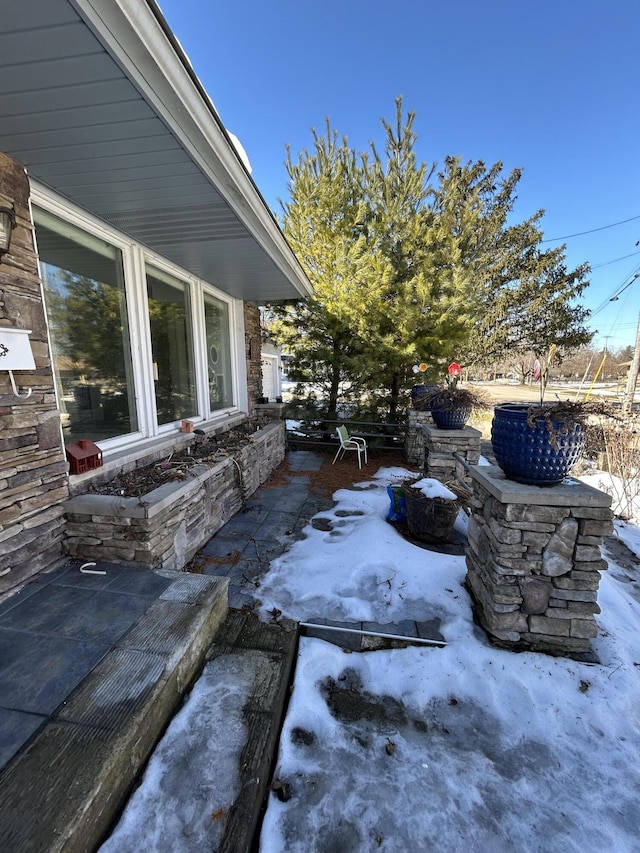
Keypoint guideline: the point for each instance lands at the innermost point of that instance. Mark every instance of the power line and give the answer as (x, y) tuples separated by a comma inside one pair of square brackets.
[(614, 261), (592, 231), (632, 276)]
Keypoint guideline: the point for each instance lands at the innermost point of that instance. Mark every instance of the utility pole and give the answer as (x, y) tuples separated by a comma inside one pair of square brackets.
[(632, 379)]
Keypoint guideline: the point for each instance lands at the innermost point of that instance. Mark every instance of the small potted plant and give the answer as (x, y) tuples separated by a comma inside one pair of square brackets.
[(420, 392), (451, 405)]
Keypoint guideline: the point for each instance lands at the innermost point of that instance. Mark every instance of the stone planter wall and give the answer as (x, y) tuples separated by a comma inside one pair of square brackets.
[(534, 561), (165, 528)]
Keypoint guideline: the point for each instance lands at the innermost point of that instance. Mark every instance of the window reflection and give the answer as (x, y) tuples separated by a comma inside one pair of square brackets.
[(172, 347), (87, 314), (216, 316)]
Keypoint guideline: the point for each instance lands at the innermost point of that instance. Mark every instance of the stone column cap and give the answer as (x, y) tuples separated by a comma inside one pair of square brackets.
[(436, 432), (570, 492)]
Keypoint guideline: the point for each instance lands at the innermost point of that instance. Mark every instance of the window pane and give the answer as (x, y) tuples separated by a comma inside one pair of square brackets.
[(172, 347), (87, 314), (216, 318)]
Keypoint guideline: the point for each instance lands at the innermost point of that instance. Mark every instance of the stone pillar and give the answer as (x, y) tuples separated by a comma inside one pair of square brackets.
[(414, 436), (441, 444), (534, 561), (267, 412), (253, 351), (33, 468)]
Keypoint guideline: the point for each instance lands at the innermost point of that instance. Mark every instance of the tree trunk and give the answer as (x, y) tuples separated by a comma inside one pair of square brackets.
[(334, 386), (394, 399)]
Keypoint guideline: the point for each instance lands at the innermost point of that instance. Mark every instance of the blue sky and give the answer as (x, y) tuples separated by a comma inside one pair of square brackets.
[(551, 87)]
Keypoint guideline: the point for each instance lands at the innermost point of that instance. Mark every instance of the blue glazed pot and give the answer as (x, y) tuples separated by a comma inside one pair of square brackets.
[(418, 394), (448, 413), (534, 454), (450, 418)]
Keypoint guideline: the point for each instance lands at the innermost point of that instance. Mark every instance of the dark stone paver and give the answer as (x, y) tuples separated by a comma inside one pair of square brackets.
[(16, 728)]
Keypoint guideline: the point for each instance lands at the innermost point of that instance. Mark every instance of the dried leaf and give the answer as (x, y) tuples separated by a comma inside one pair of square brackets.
[(282, 789)]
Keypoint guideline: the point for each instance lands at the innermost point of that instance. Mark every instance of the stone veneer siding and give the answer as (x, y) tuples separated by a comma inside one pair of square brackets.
[(253, 351), (534, 561), (166, 527), (33, 468)]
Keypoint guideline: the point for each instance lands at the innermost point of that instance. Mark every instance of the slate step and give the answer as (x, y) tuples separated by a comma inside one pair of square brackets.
[(64, 790)]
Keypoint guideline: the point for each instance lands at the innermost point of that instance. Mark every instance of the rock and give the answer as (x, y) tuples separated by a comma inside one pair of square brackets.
[(557, 557)]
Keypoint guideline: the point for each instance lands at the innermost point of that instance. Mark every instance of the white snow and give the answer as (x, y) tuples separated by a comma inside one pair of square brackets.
[(466, 747), (242, 154), (625, 499), (190, 783), (433, 489)]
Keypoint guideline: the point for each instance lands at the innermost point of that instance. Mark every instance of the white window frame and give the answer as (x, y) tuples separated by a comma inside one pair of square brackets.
[(135, 259)]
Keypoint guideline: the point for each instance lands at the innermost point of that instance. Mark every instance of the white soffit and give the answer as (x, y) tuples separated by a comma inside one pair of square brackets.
[(99, 103)]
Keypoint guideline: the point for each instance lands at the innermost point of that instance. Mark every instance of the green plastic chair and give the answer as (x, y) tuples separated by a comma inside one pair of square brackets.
[(350, 442)]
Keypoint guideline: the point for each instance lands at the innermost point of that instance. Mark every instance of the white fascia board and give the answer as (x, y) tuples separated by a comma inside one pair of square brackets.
[(134, 37)]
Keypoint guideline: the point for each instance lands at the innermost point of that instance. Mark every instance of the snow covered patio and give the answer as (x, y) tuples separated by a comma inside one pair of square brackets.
[(452, 748)]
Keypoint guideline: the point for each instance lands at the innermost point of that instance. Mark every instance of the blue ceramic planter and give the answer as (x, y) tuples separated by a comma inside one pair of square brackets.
[(450, 418), (534, 454), (418, 396)]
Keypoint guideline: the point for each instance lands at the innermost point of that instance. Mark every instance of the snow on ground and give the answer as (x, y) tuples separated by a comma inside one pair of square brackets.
[(363, 570), (466, 747), (461, 748), (625, 500)]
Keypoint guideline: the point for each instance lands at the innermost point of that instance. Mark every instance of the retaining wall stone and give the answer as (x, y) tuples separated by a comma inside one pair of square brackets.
[(165, 528), (534, 582)]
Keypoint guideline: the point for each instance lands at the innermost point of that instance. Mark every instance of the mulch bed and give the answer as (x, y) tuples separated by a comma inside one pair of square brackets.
[(176, 466), (343, 475)]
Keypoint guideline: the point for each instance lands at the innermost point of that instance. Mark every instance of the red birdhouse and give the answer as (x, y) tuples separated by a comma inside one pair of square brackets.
[(83, 456)]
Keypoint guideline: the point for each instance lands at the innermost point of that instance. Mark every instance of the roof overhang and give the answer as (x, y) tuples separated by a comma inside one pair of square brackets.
[(100, 104)]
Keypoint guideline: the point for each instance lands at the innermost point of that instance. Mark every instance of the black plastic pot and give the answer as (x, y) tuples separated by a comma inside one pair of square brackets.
[(534, 450)]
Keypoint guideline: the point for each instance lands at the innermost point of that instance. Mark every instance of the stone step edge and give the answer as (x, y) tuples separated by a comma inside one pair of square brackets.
[(265, 711)]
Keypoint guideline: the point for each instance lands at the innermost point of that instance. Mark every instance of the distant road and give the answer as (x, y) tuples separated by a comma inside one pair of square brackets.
[(501, 392)]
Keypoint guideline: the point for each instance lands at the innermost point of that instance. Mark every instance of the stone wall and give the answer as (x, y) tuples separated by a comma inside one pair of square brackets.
[(33, 469), (165, 528), (440, 445), (534, 561), (253, 351), (414, 437)]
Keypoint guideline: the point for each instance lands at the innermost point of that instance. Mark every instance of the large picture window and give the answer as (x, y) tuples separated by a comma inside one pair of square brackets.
[(87, 314), (216, 320), (172, 347), (137, 344)]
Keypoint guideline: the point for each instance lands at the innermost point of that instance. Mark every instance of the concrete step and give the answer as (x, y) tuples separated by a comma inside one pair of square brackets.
[(64, 790)]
